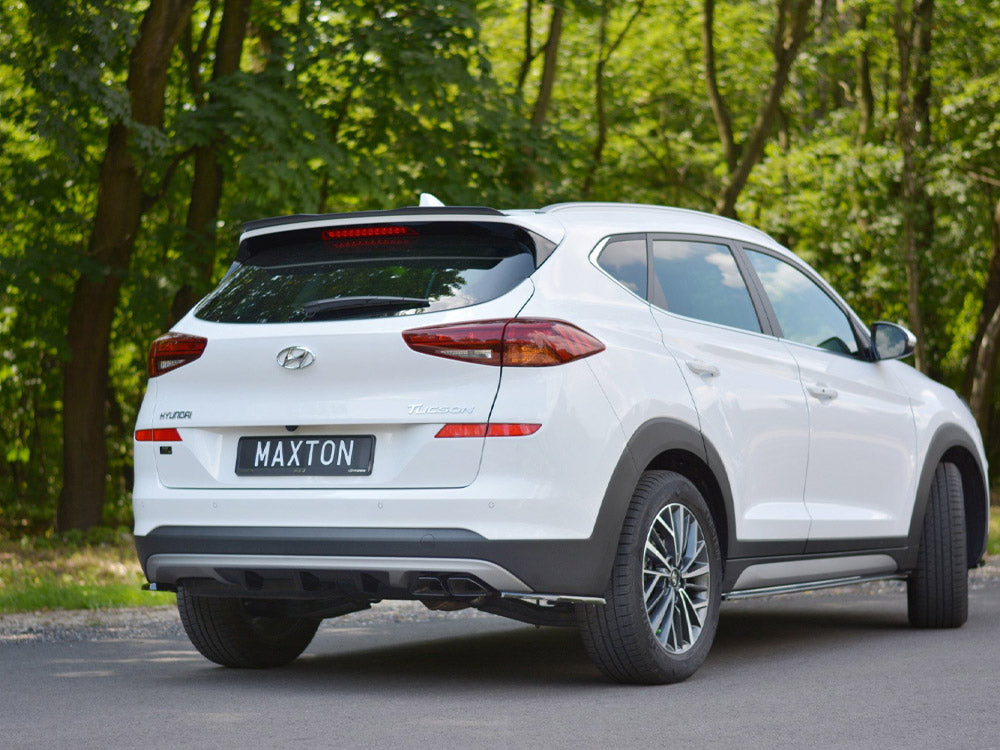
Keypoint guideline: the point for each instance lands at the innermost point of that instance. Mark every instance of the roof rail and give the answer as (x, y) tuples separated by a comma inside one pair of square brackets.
[(556, 207)]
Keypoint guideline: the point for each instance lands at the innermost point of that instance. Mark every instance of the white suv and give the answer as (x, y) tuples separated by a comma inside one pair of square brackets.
[(597, 415)]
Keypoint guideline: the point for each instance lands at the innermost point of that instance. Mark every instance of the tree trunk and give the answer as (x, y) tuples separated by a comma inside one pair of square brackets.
[(530, 53), (866, 97), (981, 373), (95, 296), (983, 369), (924, 228), (523, 179), (913, 125), (549, 66), (791, 29), (206, 185), (723, 120), (604, 54)]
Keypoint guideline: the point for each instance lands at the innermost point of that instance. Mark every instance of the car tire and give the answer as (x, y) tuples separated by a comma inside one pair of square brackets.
[(938, 588), (648, 631), (226, 631)]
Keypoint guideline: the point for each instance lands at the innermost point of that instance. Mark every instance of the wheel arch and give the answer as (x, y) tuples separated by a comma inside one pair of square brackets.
[(697, 470), (952, 444), (668, 444)]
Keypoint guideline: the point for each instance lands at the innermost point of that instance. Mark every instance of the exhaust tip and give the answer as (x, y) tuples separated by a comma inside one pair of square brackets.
[(429, 586), (464, 586), (449, 586)]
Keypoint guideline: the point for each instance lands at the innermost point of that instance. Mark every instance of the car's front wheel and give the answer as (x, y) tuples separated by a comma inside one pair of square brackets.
[(938, 588), (663, 599), (230, 632)]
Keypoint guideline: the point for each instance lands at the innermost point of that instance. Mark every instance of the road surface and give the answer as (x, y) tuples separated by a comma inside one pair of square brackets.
[(824, 670)]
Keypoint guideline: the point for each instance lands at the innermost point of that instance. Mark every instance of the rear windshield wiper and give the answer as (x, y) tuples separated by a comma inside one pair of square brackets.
[(362, 304)]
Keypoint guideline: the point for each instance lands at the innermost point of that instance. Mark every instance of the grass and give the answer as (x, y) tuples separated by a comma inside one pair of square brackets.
[(99, 570), (993, 546), (73, 571)]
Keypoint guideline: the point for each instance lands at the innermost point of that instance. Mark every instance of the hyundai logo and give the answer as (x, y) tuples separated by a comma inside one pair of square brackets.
[(295, 357)]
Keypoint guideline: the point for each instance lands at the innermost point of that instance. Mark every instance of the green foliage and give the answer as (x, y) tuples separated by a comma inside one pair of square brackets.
[(360, 105)]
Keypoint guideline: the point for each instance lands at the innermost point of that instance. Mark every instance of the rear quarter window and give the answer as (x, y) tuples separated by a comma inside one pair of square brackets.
[(625, 261)]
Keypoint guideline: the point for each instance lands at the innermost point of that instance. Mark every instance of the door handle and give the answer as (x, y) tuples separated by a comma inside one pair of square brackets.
[(705, 369), (822, 392)]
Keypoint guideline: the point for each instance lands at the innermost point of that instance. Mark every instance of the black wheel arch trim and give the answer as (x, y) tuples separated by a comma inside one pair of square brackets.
[(670, 444), (953, 444)]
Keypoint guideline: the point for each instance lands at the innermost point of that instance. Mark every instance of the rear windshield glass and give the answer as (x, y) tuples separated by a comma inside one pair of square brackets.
[(370, 271)]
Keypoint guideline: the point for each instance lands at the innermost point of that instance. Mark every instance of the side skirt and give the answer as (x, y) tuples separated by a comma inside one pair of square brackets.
[(792, 588), (764, 572)]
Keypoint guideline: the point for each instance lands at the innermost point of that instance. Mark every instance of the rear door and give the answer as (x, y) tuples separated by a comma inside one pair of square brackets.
[(744, 382), (306, 381)]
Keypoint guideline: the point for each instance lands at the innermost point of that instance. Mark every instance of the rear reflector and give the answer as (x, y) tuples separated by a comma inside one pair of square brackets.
[(486, 430), (160, 435), (462, 430), (526, 342), (173, 350), (511, 430)]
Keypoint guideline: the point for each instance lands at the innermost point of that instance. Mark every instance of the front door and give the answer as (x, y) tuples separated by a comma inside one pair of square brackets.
[(862, 444)]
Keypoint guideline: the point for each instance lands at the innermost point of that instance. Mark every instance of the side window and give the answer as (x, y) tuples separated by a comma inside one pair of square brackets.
[(805, 312), (625, 261), (701, 280)]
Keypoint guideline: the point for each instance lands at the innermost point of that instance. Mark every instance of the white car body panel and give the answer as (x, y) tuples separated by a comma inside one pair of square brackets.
[(638, 377), (867, 426), (936, 407), (754, 414), (341, 393)]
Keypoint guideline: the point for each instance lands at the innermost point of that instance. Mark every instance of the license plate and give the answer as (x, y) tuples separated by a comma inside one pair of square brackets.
[(309, 455)]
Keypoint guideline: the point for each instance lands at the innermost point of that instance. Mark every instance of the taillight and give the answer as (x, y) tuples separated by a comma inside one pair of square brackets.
[(159, 435), (527, 342), (540, 343), (173, 350)]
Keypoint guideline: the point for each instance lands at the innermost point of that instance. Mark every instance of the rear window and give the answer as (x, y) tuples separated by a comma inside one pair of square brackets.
[(370, 271)]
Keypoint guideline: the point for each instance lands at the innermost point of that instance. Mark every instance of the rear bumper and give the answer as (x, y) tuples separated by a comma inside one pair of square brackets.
[(384, 562)]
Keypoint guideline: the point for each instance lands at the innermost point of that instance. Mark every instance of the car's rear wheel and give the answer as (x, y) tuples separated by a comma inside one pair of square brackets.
[(229, 632), (938, 588), (663, 599)]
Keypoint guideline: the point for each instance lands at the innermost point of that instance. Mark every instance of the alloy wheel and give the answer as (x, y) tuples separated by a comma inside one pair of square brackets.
[(676, 578)]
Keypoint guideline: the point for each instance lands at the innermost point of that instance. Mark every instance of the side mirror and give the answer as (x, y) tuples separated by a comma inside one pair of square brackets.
[(891, 341)]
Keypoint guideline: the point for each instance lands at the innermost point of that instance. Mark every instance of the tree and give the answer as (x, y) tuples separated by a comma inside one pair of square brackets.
[(912, 27), (606, 49), (206, 183), (120, 206), (791, 28)]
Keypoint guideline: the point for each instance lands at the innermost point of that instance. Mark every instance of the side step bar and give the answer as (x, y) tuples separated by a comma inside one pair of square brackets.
[(794, 588)]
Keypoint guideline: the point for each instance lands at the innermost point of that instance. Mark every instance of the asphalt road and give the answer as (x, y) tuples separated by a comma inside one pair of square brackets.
[(823, 670)]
